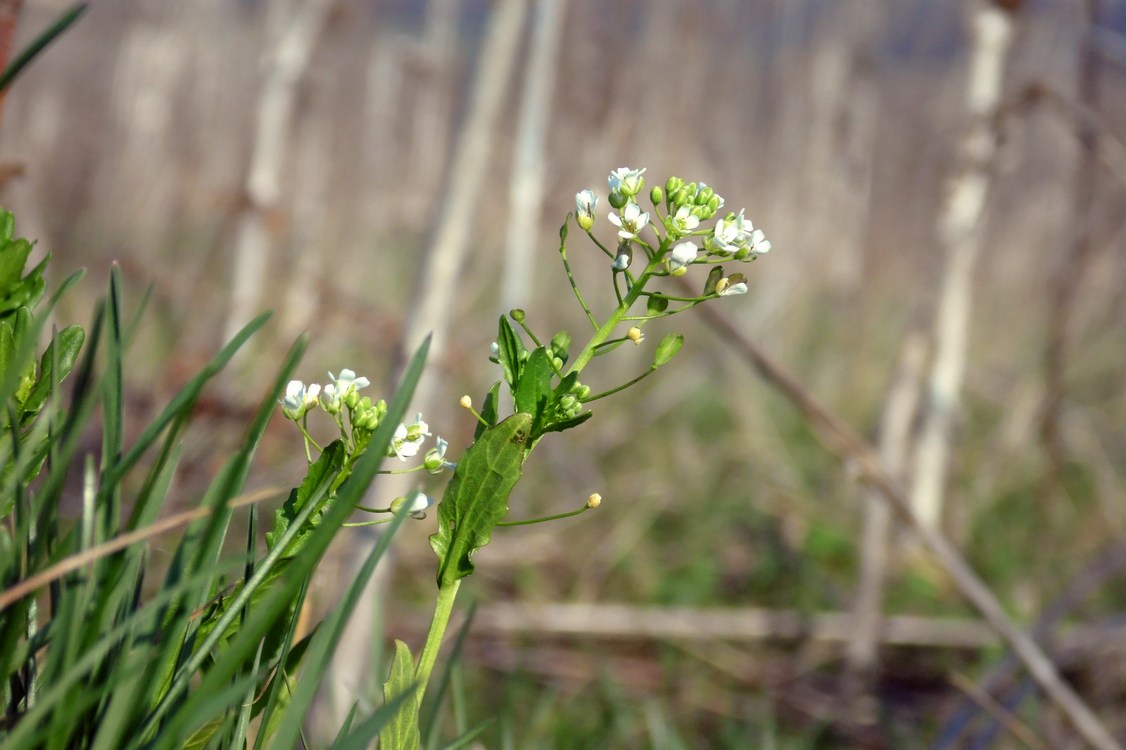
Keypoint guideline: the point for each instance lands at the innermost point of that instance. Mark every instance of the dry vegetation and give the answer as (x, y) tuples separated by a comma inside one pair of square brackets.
[(837, 124)]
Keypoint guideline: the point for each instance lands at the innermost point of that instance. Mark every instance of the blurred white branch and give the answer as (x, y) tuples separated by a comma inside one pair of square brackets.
[(960, 236), (301, 24), (526, 185)]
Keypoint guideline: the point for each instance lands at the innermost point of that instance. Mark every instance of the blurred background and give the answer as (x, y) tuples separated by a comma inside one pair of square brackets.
[(943, 187)]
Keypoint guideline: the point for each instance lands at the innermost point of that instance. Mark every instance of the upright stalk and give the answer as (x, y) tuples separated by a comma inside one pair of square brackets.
[(447, 592)]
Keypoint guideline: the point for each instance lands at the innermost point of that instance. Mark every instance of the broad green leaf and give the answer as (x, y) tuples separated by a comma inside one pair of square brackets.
[(477, 495), (533, 389), (510, 352), (401, 733)]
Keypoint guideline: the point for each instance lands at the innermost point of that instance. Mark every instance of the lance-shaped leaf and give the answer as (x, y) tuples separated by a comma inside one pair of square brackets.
[(401, 733), (477, 495), (510, 352)]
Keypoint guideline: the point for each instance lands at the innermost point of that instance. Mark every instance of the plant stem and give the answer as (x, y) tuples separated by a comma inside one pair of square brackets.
[(447, 592), (612, 322)]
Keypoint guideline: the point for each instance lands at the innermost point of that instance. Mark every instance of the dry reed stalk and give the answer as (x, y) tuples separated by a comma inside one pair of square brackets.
[(1071, 268), (840, 438), (301, 25), (895, 428), (526, 184)]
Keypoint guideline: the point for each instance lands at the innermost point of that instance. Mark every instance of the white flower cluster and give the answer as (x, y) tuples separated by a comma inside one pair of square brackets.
[(733, 237), (342, 393)]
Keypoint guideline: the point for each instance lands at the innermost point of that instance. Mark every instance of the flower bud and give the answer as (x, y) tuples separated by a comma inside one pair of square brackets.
[(623, 258), (594, 500), (635, 335), (560, 343), (466, 402), (617, 200), (583, 393), (656, 195), (673, 184), (704, 196), (667, 349), (517, 315)]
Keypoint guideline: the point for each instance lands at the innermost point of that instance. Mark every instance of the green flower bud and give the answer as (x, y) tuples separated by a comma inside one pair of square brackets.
[(560, 343), (673, 184), (617, 200), (557, 363), (656, 195), (568, 402), (667, 349), (583, 392), (517, 315), (704, 196)]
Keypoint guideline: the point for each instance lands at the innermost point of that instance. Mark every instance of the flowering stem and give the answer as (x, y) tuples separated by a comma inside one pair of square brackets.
[(447, 592), (575, 286), (612, 322), (556, 517), (523, 324), (621, 387)]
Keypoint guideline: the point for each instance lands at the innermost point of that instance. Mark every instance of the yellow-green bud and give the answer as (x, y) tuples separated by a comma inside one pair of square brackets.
[(656, 195)]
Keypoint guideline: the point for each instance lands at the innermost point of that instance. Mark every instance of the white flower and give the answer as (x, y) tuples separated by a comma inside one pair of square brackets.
[(331, 399), (435, 459), (299, 399), (730, 235), (407, 440), (347, 382), (585, 201), (415, 504), (759, 244), (632, 221), (494, 350), (684, 221), (681, 257), (627, 181), (732, 285)]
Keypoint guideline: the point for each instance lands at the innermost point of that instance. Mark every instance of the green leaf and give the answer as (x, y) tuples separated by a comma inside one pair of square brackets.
[(489, 410), (329, 464), (13, 257), (401, 733), (477, 495), (202, 736), (510, 352), (68, 343), (533, 389), (566, 424)]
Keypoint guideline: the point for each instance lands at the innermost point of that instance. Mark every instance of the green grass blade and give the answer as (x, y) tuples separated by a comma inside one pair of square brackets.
[(40, 43)]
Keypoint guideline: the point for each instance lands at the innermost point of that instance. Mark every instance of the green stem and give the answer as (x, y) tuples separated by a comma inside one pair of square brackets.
[(612, 322), (447, 592), (544, 519), (621, 387)]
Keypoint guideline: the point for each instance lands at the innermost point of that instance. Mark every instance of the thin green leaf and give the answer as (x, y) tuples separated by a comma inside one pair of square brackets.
[(52, 33)]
